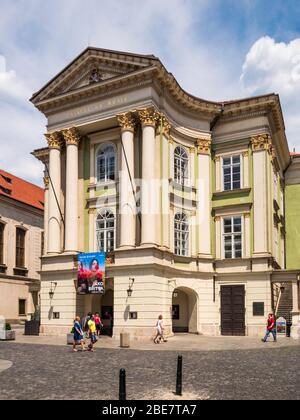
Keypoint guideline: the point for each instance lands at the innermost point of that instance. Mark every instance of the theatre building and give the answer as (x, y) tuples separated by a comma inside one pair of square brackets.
[(186, 197)]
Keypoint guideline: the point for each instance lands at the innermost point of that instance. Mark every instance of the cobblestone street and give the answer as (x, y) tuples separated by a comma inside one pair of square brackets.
[(54, 372)]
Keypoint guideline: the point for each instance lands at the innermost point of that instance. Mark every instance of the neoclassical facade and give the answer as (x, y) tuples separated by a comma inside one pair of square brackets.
[(185, 196)]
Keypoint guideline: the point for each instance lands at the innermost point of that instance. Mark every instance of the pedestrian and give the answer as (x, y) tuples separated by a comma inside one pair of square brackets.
[(98, 323), (160, 331), (271, 328), (92, 332), (78, 335), (84, 324)]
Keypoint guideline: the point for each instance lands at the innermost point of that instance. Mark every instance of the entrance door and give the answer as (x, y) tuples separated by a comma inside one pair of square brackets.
[(233, 310)]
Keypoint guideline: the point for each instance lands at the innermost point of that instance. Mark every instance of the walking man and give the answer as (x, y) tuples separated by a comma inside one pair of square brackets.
[(271, 328)]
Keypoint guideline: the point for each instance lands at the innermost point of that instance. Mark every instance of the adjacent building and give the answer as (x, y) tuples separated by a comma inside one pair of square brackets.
[(21, 237), (185, 195)]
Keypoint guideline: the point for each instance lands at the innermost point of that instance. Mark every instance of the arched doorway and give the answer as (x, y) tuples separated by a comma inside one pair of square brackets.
[(185, 311), (104, 306)]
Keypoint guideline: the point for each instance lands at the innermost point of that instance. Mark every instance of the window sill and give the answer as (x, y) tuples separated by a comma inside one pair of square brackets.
[(224, 194), (21, 272), (181, 187)]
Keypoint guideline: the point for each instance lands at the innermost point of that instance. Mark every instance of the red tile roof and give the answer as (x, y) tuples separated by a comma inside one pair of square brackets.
[(20, 190), (294, 154)]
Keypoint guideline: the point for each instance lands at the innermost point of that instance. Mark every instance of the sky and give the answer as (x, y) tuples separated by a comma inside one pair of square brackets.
[(217, 50)]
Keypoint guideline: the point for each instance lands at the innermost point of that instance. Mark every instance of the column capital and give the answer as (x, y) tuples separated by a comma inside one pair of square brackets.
[(203, 146), (261, 142), (46, 182), (54, 140), (127, 121), (165, 126), (148, 116), (71, 136)]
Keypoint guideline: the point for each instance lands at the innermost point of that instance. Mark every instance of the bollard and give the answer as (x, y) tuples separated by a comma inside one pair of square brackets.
[(179, 377), (122, 387)]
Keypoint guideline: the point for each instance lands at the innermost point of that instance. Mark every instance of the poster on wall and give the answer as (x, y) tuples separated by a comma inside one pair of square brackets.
[(91, 273)]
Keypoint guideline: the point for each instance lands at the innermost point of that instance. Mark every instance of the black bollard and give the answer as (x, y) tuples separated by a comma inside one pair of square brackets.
[(122, 388), (179, 377)]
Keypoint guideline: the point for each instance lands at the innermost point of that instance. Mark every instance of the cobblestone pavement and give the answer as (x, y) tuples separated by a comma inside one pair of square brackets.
[(184, 342), (54, 372)]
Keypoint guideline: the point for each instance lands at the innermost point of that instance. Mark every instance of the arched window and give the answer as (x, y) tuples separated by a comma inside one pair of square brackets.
[(181, 235), (106, 163), (181, 161), (105, 229)]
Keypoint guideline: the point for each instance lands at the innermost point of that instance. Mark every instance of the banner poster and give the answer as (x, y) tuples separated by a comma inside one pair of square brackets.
[(91, 273)]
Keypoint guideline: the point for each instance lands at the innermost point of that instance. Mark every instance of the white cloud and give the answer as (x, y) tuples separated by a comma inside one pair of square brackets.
[(10, 85), (275, 67)]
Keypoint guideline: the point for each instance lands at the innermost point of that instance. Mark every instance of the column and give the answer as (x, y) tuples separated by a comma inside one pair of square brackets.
[(72, 140), (204, 197), (46, 214), (54, 217), (165, 196), (127, 182), (296, 308), (261, 145), (150, 188)]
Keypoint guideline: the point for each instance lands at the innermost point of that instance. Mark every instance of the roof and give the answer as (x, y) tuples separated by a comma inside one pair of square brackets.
[(294, 154), (20, 190)]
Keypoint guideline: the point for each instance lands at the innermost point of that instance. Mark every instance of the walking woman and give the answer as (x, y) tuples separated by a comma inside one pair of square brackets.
[(78, 335), (160, 331)]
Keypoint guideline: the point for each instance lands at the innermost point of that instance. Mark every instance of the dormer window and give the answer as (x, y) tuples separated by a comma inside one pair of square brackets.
[(5, 190)]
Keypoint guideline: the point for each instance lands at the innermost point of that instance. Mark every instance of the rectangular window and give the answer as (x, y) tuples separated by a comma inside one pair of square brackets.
[(232, 173), (20, 248), (232, 236), (1, 243), (22, 307)]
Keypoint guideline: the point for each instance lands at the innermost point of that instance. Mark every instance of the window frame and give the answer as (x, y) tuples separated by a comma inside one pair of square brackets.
[(183, 250), (23, 257), (231, 166), (182, 179), (232, 234), (25, 307), (106, 230), (2, 243), (97, 156)]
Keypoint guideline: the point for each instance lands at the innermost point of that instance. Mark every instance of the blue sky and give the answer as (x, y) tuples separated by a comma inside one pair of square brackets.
[(217, 49)]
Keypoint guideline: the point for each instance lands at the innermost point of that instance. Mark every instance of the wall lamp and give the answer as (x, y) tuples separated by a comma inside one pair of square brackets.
[(129, 291), (52, 289)]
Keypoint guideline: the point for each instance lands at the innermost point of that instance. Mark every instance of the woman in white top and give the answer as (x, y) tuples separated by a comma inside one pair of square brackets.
[(159, 331)]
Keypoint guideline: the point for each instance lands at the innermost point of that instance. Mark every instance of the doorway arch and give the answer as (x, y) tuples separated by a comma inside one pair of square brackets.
[(185, 311)]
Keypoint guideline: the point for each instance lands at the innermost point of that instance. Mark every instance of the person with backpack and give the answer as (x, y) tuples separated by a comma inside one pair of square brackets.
[(78, 335), (271, 329)]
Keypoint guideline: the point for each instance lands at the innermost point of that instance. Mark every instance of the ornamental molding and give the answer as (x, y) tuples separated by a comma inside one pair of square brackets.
[(148, 117), (72, 136), (127, 121), (204, 146), (262, 142), (55, 140), (165, 126), (46, 182)]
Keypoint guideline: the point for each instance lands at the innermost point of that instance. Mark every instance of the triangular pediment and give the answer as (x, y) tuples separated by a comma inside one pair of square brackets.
[(93, 66)]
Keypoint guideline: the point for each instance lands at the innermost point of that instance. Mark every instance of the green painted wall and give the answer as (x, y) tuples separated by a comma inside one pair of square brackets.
[(232, 199), (292, 200), (86, 175)]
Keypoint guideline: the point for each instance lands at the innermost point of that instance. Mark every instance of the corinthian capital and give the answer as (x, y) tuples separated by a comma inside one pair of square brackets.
[(204, 146), (166, 126), (148, 116), (261, 142), (72, 136), (54, 140), (127, 121)]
